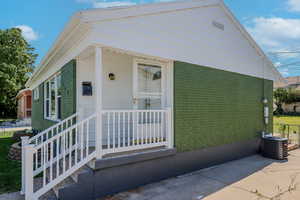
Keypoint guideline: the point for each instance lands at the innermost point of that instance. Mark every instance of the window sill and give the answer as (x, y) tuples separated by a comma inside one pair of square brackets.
[(54, 120)]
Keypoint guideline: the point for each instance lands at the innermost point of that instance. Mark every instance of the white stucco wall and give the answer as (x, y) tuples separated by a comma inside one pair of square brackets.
[(185, 35), (117, 94), (85, 70)]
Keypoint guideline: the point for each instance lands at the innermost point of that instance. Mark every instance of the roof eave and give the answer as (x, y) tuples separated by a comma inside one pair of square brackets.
[(73, 22)]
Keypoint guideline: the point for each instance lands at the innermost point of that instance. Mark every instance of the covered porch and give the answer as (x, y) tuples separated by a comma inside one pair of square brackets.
[(123, 105), (130, 94)]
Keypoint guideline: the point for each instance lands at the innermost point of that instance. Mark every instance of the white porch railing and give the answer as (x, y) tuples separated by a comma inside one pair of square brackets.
[(126, 130), (59, 151), (53, 130), (56, 157)]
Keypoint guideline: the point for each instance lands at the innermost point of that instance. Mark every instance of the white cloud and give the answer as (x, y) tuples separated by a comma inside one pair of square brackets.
[(276, 33), (284, 71), (112, 3), (294, 5), (107, 3), (28, 33), (277, 64), (104, 4)]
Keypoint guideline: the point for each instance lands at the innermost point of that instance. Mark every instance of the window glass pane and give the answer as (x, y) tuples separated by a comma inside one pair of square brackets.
[(47, 108), (47, 89), (36, 93), (58, 82), (59, 107), (149, 103), (53, 111), (149, 78)]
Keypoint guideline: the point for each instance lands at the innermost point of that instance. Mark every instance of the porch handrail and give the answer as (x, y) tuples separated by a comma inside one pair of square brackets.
[(35, 138), (57, 157)]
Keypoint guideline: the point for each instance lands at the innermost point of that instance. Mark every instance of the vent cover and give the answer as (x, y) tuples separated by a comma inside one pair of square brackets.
[(218, 25)]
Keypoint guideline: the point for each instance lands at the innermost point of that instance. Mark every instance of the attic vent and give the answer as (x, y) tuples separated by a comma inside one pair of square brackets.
[(218, 25)]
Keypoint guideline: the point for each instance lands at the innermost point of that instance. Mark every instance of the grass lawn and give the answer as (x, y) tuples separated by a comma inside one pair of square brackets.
[(287, 119), (6, 134), (292, 120), (6, 120), (10, 171)]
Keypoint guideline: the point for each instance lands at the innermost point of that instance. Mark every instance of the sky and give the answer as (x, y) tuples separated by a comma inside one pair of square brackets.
[(274, 24)]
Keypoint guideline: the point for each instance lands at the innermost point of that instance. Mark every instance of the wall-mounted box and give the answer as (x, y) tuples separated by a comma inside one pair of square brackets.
[(87, 89)]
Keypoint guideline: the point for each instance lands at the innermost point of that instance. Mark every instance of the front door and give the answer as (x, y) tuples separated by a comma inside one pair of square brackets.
[(148, 85)]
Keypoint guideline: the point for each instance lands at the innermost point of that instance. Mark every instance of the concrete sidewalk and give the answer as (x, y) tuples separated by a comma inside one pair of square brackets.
[(250, 178)]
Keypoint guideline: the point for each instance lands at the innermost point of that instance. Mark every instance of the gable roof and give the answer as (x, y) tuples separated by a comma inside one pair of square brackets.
[(82, 21)]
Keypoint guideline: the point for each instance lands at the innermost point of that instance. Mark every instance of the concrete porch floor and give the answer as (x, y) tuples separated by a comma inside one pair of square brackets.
[(251, 178)]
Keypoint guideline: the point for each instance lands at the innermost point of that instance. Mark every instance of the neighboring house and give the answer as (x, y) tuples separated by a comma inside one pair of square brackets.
[(290, 83), (148, 92), (24, 104)]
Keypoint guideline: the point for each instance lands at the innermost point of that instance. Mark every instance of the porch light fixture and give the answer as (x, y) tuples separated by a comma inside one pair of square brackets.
[(111, 76)]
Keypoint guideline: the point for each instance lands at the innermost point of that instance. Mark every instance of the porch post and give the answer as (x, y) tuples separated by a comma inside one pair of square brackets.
[(169, 128), (29, 148), (24, 140), (98, 103)]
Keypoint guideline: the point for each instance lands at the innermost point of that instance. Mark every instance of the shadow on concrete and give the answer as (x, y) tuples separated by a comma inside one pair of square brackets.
[(198, 184)]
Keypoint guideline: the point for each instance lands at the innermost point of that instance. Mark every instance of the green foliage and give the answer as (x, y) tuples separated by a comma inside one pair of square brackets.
[(16, 63), (292, 97), (280, 97), (10, 171)]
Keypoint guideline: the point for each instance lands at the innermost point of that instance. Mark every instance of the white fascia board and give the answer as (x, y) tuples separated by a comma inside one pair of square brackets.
[(107, 14)]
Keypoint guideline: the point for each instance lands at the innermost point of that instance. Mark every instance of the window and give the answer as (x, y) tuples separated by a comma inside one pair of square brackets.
[(148, 82), (36, 94), (52, 98)]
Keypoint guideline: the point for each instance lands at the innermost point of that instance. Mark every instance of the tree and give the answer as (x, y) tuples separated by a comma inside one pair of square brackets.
[(17, 59), (280, 97), (293, 96)]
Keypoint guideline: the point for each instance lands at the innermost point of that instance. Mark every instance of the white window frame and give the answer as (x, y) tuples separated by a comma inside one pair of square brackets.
[(56, 96), (136, 93), (36, 94)]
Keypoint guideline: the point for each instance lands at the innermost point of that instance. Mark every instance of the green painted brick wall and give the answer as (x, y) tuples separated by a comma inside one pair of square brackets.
[(37, 116), (214, 107), (68, 80), (68, 83)]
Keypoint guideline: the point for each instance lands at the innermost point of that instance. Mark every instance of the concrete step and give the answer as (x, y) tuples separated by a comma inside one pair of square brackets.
[(65, 183), (81, 171)]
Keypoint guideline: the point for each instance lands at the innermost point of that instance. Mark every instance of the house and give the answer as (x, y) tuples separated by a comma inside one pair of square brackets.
[(142, 93), (291, 83), (24, 104)]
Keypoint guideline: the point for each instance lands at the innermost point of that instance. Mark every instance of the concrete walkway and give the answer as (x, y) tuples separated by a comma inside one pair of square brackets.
[(251, 178)]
